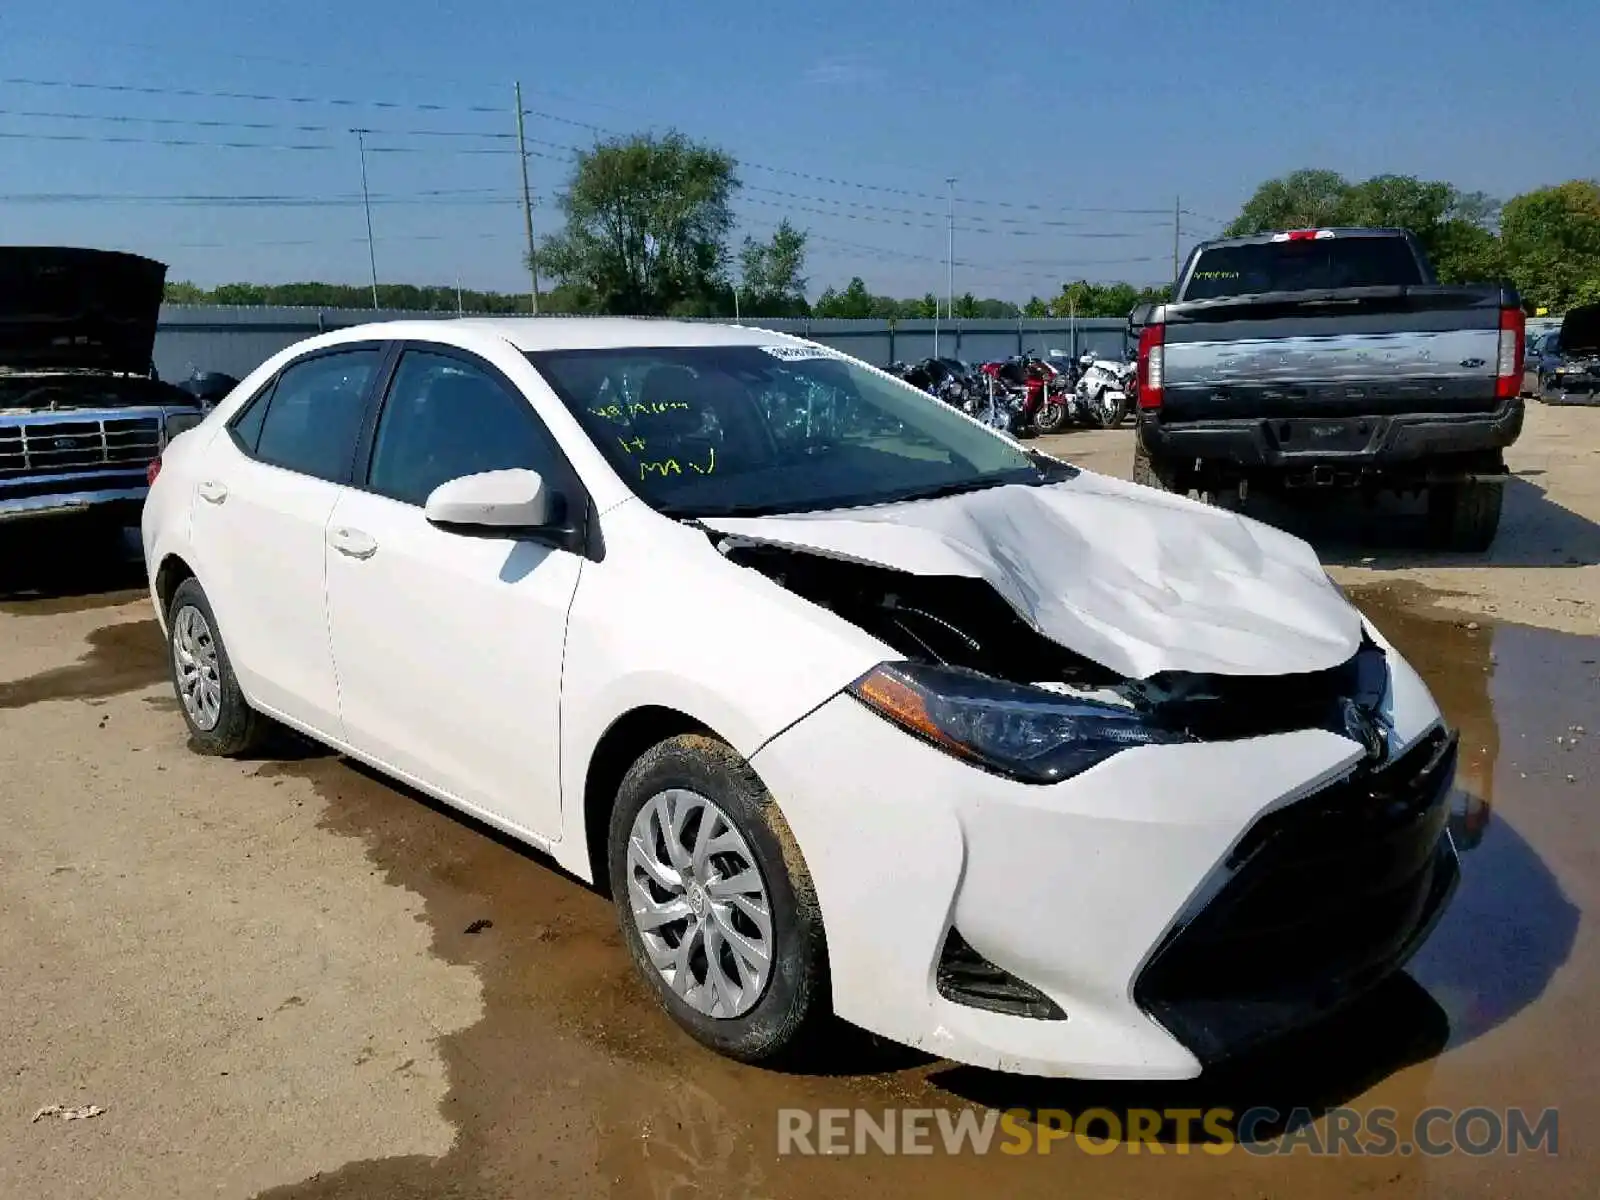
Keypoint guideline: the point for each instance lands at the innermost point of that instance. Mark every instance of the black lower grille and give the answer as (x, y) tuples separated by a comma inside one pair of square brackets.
[(966, 977), (1318, 901)]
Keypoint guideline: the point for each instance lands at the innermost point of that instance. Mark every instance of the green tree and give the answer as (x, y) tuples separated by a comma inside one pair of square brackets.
[(854, 302), (1299, 200), (772, 274), (1454, 228), (1552, 243), (1035, 307), (647, 221)]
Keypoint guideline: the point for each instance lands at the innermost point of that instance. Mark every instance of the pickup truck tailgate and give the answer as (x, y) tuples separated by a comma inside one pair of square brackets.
[(1349, 353)]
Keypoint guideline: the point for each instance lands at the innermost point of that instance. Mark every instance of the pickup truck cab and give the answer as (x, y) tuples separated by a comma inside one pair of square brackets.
[(1333, 358)]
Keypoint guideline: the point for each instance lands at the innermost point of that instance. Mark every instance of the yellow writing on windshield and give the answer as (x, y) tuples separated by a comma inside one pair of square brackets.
[(671, 466), (621, 413)]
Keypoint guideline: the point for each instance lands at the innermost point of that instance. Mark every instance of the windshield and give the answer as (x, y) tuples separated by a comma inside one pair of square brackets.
[(720, 430), (1313, 264)]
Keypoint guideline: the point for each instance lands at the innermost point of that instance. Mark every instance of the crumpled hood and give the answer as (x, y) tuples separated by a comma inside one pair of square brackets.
[(1132, 578)]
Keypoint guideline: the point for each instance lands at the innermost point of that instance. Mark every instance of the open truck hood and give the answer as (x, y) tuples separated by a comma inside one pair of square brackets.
[(1136, 580), (1580, 332), (64, 308)]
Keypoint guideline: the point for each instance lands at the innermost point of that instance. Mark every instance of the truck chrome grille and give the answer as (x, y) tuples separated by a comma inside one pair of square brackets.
[(60, 447)]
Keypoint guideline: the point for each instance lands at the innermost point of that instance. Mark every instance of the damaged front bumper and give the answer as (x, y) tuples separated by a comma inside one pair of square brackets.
[(1066, 929)]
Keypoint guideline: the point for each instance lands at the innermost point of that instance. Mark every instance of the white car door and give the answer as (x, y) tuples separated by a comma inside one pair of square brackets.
[(448, 644), (264, 492)]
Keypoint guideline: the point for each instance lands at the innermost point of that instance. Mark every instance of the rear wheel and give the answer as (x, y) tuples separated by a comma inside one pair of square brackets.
[(219, 718), (1146, 470), (715, 902), (1465, 516)]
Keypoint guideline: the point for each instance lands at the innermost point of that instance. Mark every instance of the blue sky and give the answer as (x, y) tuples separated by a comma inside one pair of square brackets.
[(846, 116)]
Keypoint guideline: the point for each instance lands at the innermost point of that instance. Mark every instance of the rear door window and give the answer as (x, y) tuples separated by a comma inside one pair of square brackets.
[(313, 417), (1309, 265)]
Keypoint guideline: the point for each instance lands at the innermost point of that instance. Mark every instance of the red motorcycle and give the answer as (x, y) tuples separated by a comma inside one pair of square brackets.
[(1045, 393)]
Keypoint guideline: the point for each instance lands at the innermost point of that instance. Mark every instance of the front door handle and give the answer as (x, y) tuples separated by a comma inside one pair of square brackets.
[(211, 491), (352, 542)]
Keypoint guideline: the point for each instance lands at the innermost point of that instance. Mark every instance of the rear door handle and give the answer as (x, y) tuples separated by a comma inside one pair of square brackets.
[(212, 492), (352, 542)]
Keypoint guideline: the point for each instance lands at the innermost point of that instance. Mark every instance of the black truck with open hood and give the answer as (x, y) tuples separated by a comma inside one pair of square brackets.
[(1575, 376), (1329, 358), (82, 414)]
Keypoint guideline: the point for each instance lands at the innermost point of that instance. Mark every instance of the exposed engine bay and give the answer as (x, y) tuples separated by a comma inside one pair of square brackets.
[(59, 391), (963, 622)]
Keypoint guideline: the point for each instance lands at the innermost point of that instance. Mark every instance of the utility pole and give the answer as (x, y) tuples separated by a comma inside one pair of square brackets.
[(1177, 232), (366, 202), (527, 204), (950, 254)]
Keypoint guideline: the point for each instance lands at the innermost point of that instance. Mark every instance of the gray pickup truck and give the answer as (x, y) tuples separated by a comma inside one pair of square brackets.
[(1332, 358), (82, 414)]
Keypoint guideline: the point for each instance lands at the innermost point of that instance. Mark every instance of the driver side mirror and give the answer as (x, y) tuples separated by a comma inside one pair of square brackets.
[(494, 502)]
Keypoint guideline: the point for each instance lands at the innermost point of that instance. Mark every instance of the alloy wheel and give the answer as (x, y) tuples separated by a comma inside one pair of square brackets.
[(699, 903), (194, 655)]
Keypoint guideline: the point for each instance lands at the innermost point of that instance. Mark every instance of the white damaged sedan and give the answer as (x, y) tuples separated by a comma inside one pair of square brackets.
[(860, 709)]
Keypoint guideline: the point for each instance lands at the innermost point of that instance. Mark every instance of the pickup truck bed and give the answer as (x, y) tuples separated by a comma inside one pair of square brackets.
[(1388, 385)]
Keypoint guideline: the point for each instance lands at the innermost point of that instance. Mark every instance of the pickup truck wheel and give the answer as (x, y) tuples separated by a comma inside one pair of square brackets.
[(1465, 516), (1145, 470)]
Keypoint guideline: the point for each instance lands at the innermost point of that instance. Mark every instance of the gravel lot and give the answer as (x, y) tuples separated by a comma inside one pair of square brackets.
[(289, 976)]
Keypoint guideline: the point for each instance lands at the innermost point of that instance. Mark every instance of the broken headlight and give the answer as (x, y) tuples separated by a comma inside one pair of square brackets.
[(1028, 733)]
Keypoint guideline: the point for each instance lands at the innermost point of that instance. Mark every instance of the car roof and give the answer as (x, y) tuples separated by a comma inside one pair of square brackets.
[(569, 333)]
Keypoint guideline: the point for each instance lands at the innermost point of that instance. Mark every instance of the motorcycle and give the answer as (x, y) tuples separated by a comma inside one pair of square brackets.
[(1103, 388)]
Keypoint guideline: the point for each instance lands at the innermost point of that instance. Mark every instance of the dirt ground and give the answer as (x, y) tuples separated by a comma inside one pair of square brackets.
[(289, 977)]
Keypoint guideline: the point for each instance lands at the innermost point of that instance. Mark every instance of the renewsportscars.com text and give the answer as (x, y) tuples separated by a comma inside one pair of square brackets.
[(1260, 1131)]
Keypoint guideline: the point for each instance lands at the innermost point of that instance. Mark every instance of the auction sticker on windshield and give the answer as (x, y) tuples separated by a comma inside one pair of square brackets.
[(799, 353)]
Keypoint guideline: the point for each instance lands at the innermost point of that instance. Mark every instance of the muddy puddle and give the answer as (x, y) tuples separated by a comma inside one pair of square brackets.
[(121, 658), (573, 1084)]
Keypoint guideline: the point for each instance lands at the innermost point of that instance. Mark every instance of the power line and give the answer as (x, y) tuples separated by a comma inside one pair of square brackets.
[(448, 198), (258, 97), (203, 123), (341, 102)]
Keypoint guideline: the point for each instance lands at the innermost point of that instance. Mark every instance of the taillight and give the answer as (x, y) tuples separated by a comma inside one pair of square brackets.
[(1303, 235), (153, 470), (1152, 356), (1508, 367)]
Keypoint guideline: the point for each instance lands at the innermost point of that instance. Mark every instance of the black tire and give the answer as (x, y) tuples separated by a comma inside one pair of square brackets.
[(1051, 418), (794, 1003), (1108, 416), (239, 728), (1465, 516), (1145, 470)]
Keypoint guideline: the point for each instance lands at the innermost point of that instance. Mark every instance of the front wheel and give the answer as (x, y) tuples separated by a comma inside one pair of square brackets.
[(1109, 408), (1051, 417), (715, 902)]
